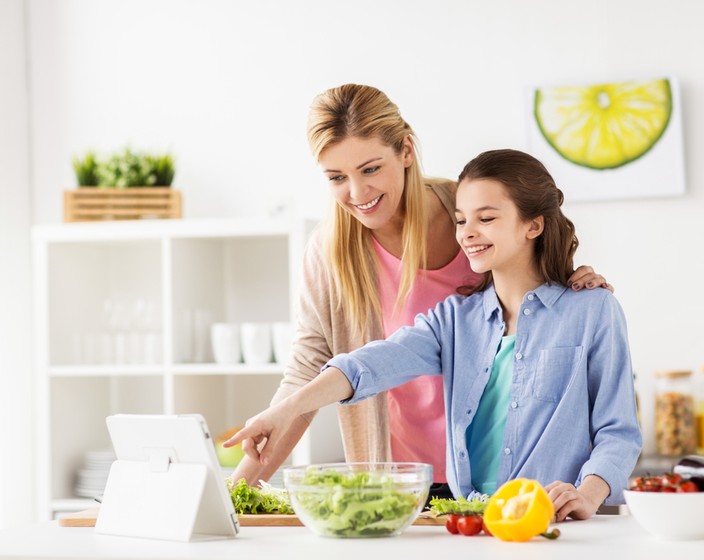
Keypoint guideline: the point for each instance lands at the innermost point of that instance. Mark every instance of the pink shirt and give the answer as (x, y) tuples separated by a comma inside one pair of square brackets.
[(416, 408)]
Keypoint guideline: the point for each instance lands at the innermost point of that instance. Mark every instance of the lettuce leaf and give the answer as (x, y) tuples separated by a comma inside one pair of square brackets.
[(266, 499), (475, 503)]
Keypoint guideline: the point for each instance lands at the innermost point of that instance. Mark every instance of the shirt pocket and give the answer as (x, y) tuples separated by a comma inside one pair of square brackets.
[(556, 367)]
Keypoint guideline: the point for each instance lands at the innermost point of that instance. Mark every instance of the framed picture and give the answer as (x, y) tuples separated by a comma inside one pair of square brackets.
[(610, 141)]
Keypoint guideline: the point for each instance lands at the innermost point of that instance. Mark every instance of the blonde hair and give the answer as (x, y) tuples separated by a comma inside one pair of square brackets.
[(353, 110)]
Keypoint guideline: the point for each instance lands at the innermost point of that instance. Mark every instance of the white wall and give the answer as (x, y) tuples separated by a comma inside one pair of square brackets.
[(16, 461), (225, 86)]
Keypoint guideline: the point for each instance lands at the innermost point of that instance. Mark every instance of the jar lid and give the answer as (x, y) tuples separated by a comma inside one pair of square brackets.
[(673, 373)]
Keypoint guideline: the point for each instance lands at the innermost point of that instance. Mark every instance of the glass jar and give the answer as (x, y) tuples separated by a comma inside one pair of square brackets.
[(699, 412), (675, 432)]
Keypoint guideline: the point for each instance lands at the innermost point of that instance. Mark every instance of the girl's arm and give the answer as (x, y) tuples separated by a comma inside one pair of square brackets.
[(616, 436), (253, 471), (578, 503), (264, 433), (310, 351)]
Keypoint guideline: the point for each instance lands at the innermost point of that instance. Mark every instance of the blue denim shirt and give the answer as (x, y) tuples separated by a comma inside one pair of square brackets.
[(572, 406)]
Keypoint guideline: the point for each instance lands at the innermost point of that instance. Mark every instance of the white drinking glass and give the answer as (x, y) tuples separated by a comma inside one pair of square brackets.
[(202, 319), (282, 337), (226, 343), (256, 343)]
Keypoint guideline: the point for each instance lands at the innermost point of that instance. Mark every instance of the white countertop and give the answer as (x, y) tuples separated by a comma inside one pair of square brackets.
[(602, 537)]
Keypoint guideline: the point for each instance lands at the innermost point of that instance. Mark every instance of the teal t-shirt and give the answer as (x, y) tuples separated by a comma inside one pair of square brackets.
[(485, 434)]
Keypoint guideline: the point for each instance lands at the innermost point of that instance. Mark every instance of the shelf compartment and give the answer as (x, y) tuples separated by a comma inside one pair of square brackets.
[(101, 293)]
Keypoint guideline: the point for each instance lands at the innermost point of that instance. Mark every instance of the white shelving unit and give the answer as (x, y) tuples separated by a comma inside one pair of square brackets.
[(122, 314)]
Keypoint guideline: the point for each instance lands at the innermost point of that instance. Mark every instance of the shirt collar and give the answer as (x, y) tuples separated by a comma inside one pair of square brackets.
[(548, 294)]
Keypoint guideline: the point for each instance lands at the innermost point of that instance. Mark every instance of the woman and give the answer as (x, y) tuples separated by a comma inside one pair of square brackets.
[(387, 254), (538, 379)]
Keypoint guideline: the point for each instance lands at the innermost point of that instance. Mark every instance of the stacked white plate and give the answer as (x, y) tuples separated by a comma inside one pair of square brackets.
[(91, 480)]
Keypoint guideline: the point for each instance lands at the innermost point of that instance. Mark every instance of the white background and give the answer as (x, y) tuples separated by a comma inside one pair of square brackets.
[(225, 86)]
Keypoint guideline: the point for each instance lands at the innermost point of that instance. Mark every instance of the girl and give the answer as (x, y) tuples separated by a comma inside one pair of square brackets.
[(537, 379), (372, 270)]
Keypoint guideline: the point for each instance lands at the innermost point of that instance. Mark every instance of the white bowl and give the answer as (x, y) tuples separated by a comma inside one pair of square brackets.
[(358, 499), (670, 516)]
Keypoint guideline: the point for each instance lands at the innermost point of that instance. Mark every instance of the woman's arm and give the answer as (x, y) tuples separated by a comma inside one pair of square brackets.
[(263, 434), (310, 351)]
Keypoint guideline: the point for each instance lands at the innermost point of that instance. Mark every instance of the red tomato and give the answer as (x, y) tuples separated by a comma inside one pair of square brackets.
[(469, 525), (486, 529), (671, 478), (687, 486), (451, 523)]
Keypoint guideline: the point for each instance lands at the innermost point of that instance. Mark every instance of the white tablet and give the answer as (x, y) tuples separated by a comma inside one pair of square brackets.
[(167, 482)]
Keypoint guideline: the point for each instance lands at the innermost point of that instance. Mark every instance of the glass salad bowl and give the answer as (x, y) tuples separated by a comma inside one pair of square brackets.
[(358, 499)]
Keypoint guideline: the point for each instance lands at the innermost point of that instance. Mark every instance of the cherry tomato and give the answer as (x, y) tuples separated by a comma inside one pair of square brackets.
[(486, 529), (451, 523), (652, 485), (671, 478), (469, 525), (688, 486)]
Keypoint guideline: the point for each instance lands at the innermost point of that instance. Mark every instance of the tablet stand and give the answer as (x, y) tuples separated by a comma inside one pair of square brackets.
[(156, 498)]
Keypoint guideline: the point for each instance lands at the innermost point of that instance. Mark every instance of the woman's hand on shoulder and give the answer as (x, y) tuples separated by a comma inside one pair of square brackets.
[(585, 277)]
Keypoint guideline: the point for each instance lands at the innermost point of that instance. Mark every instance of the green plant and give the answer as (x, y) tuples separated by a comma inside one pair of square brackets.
[(125, 169), (86, 170)]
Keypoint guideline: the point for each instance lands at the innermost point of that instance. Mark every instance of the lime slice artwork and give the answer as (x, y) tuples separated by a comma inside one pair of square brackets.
[(604, 126)]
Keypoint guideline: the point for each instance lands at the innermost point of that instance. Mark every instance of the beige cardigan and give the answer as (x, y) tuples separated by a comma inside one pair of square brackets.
[(322, 333)]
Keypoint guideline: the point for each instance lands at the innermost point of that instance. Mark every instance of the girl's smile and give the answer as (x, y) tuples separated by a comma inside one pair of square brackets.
[(473, 250), (490, 230)]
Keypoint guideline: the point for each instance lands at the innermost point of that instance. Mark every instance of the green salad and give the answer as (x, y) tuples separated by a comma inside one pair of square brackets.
[(266, 499), (348, 504)]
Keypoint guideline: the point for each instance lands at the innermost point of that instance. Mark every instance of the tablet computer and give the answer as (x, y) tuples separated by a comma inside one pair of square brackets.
[(166, 482)]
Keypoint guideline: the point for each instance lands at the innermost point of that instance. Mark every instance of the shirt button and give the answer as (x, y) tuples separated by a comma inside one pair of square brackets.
[(507, 451), (526, 311), (531, 297), (469, 411), (462, 454), (514, 404), (519, 356)]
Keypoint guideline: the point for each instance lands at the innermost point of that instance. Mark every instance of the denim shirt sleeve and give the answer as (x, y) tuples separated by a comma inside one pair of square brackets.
[(384, 364), (614, 425)]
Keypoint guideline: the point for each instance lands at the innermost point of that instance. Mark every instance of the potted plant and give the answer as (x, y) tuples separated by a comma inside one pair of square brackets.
[(125, 185)]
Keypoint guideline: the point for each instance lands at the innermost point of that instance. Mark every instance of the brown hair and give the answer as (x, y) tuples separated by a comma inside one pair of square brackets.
[(353, 110), (532, 189)]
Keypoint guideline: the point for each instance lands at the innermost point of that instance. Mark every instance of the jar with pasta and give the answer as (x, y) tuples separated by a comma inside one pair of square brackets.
[(675, 432)]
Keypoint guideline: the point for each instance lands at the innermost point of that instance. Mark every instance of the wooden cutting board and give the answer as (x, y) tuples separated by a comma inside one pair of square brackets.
[(87, 517)]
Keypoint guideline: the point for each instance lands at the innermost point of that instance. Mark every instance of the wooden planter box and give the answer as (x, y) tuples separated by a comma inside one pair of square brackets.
[(92, 204)]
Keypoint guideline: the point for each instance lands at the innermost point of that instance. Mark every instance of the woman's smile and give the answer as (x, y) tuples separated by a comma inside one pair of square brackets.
[(368, 206)]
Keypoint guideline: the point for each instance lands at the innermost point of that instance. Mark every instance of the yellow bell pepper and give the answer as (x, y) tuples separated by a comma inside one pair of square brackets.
[(519, 510)]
